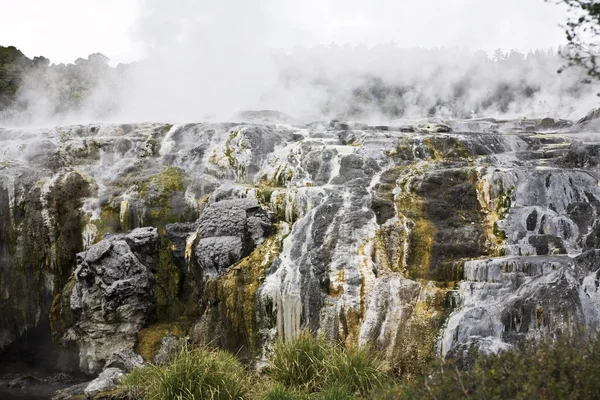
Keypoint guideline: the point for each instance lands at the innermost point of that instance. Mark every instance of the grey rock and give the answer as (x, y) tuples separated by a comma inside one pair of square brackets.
[(125, 360), (229, 230), (24, 380), (113, 297), (70, 392), (107, 380), (435, 128), (97, 251), (506, 300), (317, 161), (215, 254), (170, 345), (593, 114), (222, 219)]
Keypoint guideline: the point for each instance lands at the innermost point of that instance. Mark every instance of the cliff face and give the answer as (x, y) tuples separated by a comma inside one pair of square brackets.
[(419, 239)]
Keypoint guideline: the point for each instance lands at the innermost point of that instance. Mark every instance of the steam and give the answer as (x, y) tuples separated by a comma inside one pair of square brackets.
[(209, 61), (204, 60)]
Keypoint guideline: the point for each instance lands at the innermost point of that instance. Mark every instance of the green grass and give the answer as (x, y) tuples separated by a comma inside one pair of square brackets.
[(194, 374), (280, 392), (337, 391), (312, 368), (301, 362), (315, 365), (359, 369)]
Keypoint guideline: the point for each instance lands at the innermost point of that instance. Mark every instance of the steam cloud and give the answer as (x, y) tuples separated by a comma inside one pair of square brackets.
[(209, 61)]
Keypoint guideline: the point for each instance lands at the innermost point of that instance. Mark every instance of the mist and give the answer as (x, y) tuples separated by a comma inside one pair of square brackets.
[(211, 60)]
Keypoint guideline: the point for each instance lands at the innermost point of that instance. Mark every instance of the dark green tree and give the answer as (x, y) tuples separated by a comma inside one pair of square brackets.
[(13, 66)]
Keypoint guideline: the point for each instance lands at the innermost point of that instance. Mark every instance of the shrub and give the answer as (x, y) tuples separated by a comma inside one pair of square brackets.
[(566, 368), (194, 374)]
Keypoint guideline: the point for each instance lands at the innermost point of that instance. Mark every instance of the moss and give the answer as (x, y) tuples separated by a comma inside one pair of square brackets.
[(444, 147), (282, 176), (263, 194), (61, 318), (336, 288), (279, 204), (125, 216), (163, 130), (66, 201), (503, 201), (24, 282), (115, 394), (496, 208), (417, 337), (499, 233), (168, 283), (8, 230), (230, 157), (420, 237), (350, 321), (171, 179), (390, 259), (149, 339), (90, 152), (156, 193), (402, 151), (432, 150), (235, 291), (43, 234), (151, 146), (229, 151), (109, 222)]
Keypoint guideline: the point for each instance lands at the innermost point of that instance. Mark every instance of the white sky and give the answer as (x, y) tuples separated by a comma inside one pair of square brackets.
[(63, 30)]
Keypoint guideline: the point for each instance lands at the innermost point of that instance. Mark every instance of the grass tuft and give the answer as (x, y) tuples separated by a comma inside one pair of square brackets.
[(316, 365), (359, 369), (301, 362), (194, 374)]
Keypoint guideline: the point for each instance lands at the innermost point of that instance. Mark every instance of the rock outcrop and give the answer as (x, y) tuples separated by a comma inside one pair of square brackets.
[(112, 298), (420, 239)]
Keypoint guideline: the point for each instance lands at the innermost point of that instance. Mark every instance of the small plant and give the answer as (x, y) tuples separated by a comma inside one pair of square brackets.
[(194, 374), (357, 368), (316, 365), (300, 362)]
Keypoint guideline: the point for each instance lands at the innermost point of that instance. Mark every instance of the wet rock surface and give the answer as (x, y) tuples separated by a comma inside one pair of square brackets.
[(35, 386), (418, 237)]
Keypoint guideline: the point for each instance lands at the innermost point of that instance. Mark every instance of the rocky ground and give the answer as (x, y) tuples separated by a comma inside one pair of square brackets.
[(422, 238)]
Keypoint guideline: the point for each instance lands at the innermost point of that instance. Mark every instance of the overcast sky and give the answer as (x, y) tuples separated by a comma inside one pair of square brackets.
[(125, 30)]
